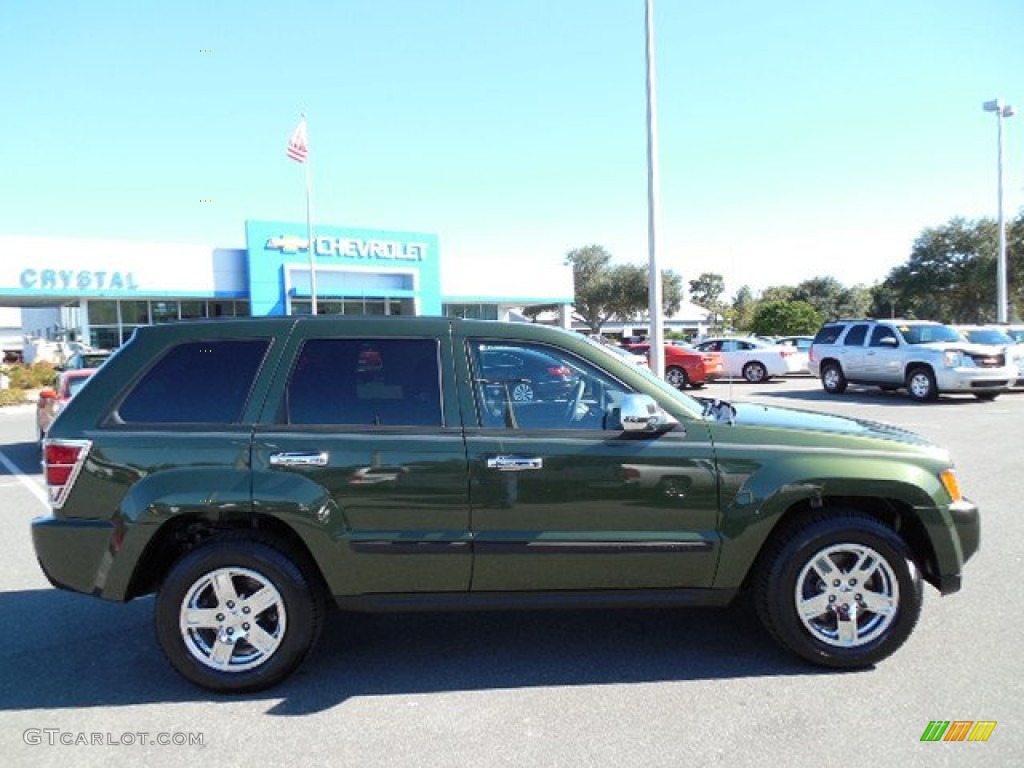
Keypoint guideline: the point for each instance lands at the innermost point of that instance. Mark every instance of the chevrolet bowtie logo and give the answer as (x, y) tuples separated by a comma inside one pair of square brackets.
[(288, 244)]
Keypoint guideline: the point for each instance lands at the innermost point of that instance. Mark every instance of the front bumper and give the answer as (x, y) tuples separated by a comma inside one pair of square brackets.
[(965, 535), (974, 379), (74, 554)]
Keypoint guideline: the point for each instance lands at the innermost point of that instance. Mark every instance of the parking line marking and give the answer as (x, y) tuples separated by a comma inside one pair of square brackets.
[(25, 480)]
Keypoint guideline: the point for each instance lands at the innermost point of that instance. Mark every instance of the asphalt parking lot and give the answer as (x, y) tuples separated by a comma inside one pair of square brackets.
[(83, 680)]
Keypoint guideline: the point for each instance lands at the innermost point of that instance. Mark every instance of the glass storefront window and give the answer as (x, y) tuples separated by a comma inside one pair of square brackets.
[(104, 337), (472, 311), (103, 312), (164, 311), (135, 312), (328, 307), (193, 309)]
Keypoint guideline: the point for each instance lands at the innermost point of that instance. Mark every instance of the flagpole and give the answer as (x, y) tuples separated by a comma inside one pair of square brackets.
[(309, 229)]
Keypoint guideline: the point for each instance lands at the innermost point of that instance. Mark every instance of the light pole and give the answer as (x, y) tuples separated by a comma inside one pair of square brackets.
[(1001, 110), (657, 335)]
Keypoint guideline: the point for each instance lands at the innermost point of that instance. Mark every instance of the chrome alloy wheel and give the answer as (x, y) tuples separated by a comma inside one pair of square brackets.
[(920, 385), (232, 619), (830, 378), (847, 595)]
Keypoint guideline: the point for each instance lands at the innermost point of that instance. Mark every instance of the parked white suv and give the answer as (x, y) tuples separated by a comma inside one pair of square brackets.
[(923, 357)]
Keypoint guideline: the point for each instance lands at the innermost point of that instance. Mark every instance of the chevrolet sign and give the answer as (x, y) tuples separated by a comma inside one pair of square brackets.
[(352, 248)]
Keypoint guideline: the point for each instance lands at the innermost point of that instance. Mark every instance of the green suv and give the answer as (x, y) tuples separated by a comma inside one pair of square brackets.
[(253, 472)]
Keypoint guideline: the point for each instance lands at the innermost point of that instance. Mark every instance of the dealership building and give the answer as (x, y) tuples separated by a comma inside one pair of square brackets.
[(99, 291)]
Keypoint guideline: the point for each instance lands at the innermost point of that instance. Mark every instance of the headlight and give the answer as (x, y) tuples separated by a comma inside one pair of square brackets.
[(954, 358)]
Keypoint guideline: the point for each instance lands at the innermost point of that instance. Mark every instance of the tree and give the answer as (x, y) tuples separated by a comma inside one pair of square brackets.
[(743, 305), (832, 299), (605, 292), (950, 275), (785, 318), (706, 292)]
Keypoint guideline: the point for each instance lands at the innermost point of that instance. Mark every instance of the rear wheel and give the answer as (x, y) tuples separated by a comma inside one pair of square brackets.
[(677, 377), (839, 590), (237, 615), (921, 385), (832, 379), (755, 372)]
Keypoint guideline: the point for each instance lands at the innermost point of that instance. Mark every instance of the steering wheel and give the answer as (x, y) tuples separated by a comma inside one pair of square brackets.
[(574, 401)]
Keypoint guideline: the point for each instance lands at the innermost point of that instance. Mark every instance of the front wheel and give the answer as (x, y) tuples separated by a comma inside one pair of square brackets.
[(921, 385), (755, 372), (236, 615), (840, 590)]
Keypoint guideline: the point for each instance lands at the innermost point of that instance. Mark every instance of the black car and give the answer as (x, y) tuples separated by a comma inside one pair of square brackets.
[(529, 374)]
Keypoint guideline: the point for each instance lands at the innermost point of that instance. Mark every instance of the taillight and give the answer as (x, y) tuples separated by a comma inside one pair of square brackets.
[(62, 461), (559, 370), (786, 352)]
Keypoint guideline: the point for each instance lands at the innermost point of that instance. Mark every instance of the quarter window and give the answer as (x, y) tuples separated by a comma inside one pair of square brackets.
[(199, 382), (373, 382)]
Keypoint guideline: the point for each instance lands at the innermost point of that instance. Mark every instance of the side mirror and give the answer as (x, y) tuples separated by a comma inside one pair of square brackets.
[(888, 341), (640, 413)]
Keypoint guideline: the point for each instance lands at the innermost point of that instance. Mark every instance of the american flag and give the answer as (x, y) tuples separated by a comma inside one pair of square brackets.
[(298, 147)]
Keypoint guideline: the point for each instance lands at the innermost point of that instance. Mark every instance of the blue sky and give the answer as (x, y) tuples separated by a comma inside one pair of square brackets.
[(798, 138)]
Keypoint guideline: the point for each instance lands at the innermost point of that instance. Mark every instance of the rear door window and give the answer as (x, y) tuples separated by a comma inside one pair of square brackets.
[(358, 381), (856, 335)]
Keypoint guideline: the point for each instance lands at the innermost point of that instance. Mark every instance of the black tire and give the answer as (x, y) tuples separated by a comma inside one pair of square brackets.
[(677, 377), (921, 384), (789, 574), (832, 379), (287, 618), (755, 372)]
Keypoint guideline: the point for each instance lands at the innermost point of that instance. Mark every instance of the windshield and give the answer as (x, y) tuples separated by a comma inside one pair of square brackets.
[(987, 336), (927, 334)]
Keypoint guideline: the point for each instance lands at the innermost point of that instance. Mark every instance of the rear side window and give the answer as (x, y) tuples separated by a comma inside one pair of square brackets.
[(829, 334), (374, 382), (199, 382)]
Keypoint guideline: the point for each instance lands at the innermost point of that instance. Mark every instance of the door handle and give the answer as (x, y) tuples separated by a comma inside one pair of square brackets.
[(299, 459), (514, 463)]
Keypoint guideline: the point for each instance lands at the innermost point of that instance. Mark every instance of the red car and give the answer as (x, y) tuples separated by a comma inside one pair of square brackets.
[(52, 400), (684, 366)]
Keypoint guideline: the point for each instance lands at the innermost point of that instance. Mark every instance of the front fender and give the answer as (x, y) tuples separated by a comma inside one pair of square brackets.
[(755, 502)]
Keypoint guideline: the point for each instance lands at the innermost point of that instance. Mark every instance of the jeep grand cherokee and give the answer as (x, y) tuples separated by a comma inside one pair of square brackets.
[(251, 472)]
